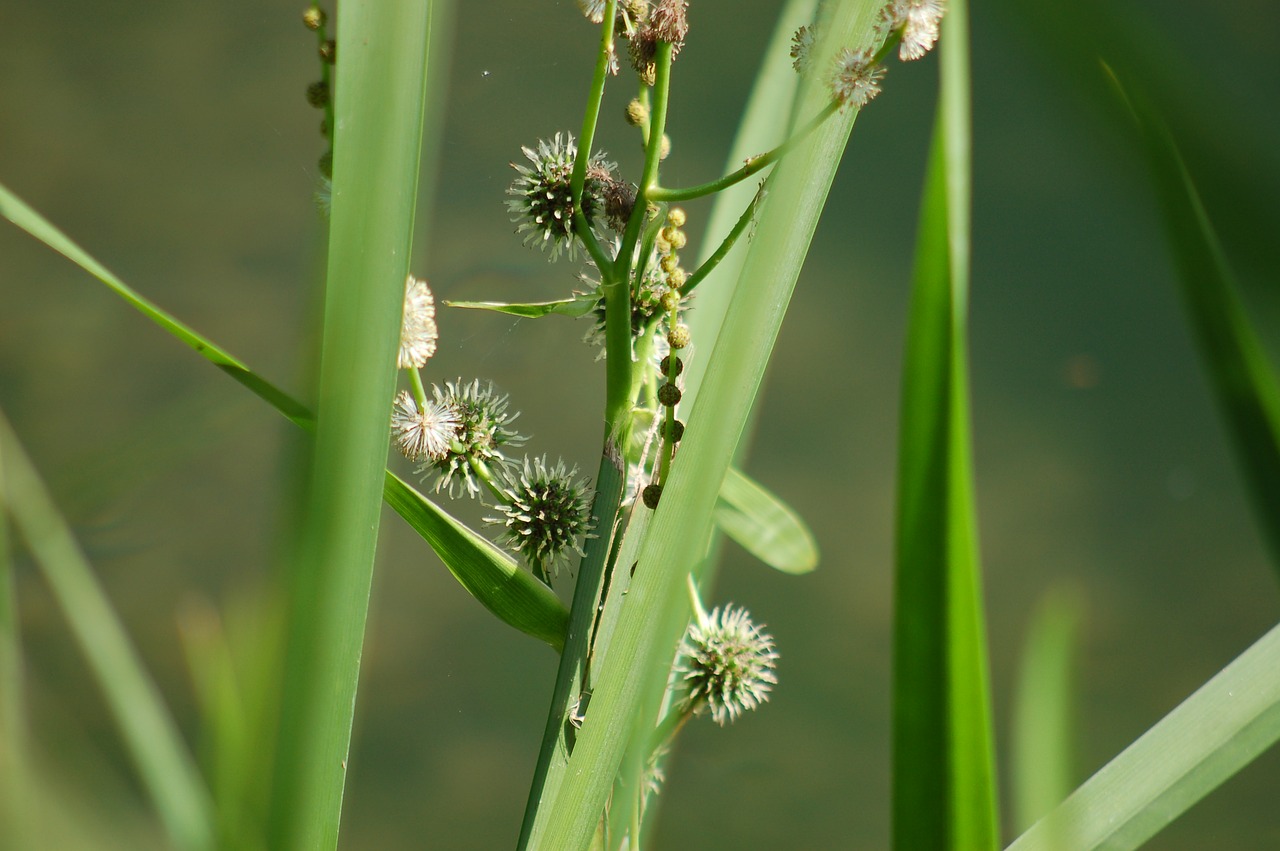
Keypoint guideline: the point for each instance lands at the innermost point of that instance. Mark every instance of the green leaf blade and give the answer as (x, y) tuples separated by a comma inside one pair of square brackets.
[(379, 107), (150, 735), (764, 525), (1042, 730), (1225, 725), (1242, 379), (944, 777), (488, 574), (579, 305)]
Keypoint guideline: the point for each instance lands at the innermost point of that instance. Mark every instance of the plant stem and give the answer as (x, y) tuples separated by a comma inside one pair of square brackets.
[(748, 215), (754, 164), (586, 139), (419, 392), (571, 678)]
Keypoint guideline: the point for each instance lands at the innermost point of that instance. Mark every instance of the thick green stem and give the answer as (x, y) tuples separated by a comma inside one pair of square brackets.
[(571, 678)]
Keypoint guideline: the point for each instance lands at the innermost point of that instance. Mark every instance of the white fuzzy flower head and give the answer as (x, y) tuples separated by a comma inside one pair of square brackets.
[(856, 80), (918, 21), (425, 432), (418, 332), (728, 664), (801, 49)]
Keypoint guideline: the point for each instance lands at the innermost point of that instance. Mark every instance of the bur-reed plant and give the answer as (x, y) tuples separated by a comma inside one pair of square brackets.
[(643, 647)]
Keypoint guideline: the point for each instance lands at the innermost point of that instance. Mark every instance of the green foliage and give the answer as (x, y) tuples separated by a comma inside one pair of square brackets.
[(944, 773)]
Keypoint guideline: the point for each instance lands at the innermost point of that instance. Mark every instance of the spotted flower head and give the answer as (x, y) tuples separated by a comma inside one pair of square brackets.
[(918, 22), (728, 664), (542, 200), (546, 513), (856, 80), (484, 428), (425, 432), (418, 332)]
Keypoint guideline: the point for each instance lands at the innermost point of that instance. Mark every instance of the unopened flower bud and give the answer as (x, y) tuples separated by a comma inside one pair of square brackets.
[(637, 113)]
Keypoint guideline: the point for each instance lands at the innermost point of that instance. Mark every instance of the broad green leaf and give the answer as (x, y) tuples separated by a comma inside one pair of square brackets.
[(530, 601), (489, 574), (1042, 740), (1225, 725), (764, 525), (629, 683), (943, 762), (151, 737), (1242, 379), (379, 105), (579, 305)]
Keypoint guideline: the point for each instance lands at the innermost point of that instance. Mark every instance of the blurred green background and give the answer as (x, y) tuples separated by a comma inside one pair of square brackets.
[(173, 141)]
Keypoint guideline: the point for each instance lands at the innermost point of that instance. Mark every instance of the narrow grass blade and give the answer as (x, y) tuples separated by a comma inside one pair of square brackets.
[(1242, 379), (379, 107), (944, 778), (234, 658), (575, 307), (1042, 730), (14, 759), (632, 675), (151, 737), (764, 525), (489, 574), (1225, 725), (474, 571), (21, 214)]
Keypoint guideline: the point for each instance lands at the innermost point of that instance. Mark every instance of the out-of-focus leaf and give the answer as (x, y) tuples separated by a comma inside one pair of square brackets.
[(1042, 740), (1241, 377), (151, 737), (1225, 725), (764, 525), (579, 305), (943, 760), (489, 574)]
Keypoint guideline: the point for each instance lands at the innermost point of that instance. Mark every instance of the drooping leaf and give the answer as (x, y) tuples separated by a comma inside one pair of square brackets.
[(21, 214), (489, 574), (764, 525), (474, 571)]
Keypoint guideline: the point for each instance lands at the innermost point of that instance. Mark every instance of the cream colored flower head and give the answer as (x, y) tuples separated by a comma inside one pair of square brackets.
[(418, 332)]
